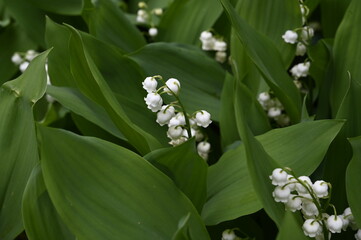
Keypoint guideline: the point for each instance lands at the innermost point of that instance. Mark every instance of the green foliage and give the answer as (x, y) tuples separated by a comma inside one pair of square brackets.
[(84, 158)]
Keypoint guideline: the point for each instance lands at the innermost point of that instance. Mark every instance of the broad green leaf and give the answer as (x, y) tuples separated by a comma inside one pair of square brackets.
[(260, 165), (91, 83), (201, 78), (290, 228), (29, 18), (58, 36), (66, 7), (340, 151), (244, 100), (108, 23), (346, 55), (41, 220), (332, 13), (272, 19), (353, 179), (81, 105), (283, 143), (185, 167), (230, 192), (268, 60), (183, 21), (18, 142), (104, 191), (227, 121)]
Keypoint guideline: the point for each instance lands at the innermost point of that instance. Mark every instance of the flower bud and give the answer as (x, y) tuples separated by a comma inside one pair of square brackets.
[(172, 85)]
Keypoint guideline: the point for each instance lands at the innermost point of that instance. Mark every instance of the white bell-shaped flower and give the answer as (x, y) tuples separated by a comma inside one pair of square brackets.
[(206, 36), (300, 70), (142, 16), (30, 55), (16, 59), (334, 224), (174, 132), (320, 188), (307, 33), (177, 120), (281, 194), (154, 101), (290, 36), (24, 66), (309, 208), (150, 84), (311, 228), (158, 11), (221, 56), (294, 203), (229, 234), (203, 147), (176, 142), (279, 177), (173, 85), (203, 118), (220, 45), (300, 188), (153, 31), (274, 112), (165, 114), (301, 49)]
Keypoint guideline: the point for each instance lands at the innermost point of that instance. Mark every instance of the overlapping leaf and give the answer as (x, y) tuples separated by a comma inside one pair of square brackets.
[(103, 191), (268, 60), (41, 220), (18, 142)]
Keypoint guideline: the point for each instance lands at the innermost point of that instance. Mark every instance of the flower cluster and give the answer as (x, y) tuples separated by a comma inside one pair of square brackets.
[(274, 108), (23, 59), (148, 17), (300, 36), (181, 125), (210, 43), (312, 199)]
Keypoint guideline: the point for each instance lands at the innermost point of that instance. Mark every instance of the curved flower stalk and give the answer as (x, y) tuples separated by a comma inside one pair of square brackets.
[(181, 125), (313, 200)]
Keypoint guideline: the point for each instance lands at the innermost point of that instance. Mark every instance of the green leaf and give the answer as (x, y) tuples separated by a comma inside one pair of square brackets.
[(185, 20), (256, 116), (353, 179), (66, 7), (181, 233), (290, 228), (282, 144), (185, 167), (76, 102), (346, 55), (29, 17), (201, 78), (19, 151), (104, 191), (41, 220), (230, 192), (268, 60), (14, 40), (227, 120), (332, 13), (272, 19), (91, 83), (108, 23)]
